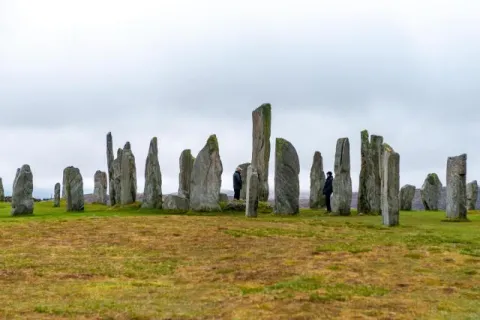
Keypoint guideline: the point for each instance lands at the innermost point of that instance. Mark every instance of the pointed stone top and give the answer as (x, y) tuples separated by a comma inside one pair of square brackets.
[(212, 143), (127, 146)]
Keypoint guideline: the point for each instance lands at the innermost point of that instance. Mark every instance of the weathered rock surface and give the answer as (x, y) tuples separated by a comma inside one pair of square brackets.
[(174, 202), (287, 184), (431, 191), (110, 159), (223, 197), (56, 195), (186, 165), (457, 187), (317, 181), (407, 192), (117, 176), (22, 199), (64, 193), (369, 189), (100, 187), (152, 194), (243, 174), (342, 182), (74, 189), (128, 176), (262, 120), (206, 178), (235, 205), (390, 185), (472, 195), (2, 191), (251, 181)]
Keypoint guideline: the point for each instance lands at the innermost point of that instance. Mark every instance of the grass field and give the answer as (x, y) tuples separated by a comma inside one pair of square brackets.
[(138, 264)]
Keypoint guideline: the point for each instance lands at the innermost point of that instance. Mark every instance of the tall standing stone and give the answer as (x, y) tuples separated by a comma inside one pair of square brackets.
[(117, 176), (100, 187), (56, 195), (390, 186), (251, 182), (431, 191), (342, 183), (2, 191), (110, 159), (22, 199), (128, 176), (186, 165), (64, 193), (152, 194), (472, 195), (74, 189), (243, 174), (287, 183), (206, 178), (317, 182), (407, 192), (457, 187), (369, 189), (262, 120)]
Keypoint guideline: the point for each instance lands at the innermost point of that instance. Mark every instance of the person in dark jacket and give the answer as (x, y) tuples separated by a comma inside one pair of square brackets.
[(328, 190), (237, 183)]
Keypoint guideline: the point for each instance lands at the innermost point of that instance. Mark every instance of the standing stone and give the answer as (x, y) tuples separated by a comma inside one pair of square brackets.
[(56, 195), (431, 192), (186, 165), (22, 199), (472, 195), (457, 187), (262, 120), (2, 191), (100, 187), (407, 192), (110, 159), (243, 174), (252, 192), (369, 189), (223, 197), (317, 181), (64, 193), (74, 189), (117, 176), (342, 183), (287, 182), (152, 194), (390, 186), (128, 176), (206, 178)]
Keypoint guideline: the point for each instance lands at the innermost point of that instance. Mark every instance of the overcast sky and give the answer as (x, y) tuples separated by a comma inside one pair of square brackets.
[(70, 71)]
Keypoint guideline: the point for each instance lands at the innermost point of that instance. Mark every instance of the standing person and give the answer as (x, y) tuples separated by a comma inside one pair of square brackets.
[(237, 183), (328, 190)]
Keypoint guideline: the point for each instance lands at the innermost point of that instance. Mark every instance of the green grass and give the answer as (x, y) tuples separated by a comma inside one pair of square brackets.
[(131, 263)]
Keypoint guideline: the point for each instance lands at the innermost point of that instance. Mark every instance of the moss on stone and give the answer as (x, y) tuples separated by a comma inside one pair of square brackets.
[(364, 136), (279, 143), (387, 147), (212, 143)]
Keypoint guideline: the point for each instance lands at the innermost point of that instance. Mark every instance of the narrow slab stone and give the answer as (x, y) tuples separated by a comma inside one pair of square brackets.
[(117, 176), (317, 182), (22, 198), (390, 185), (110, 159), (128, 176), (74, 189), (100, 187), (287, 184), (457, 188), (472, 195), (369, 189), (251, 207), (431, 192), (152, 194), (342, 182), (243, 174), (56, 195), (186, 166), (2, 191), (262, 120), (407, 192)]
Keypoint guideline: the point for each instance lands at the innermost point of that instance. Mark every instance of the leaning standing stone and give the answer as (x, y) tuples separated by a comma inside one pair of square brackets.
[(206, 178), (117, 176), (110, 159), (252, 192), (22, 199), (472, 195), (431, 192), (74, 189), (128, 176), (407, 192), (56, 195), (370, 181), (262, 120), (457, 187), (342, 183), (317, 181), (100, 187), (186, 165), (287, 184), (152, 194), (243, 174), (390, 186)]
